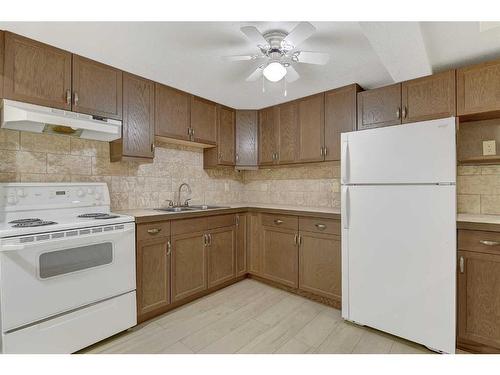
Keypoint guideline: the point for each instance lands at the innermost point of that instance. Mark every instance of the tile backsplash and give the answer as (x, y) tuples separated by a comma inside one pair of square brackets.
[(31, 157), (478, 189)]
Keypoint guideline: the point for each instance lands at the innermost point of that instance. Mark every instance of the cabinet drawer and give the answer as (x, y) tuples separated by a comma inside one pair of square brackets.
[(317, 225), (479, 241), (153, 230), (281, 221), (220, 221), (181, 226)]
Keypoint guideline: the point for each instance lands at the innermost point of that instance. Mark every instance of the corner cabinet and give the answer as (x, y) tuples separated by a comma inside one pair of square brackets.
[(36, 73), (246, 138), (268, 135), (224, 152), (478, 274), (138, 120), (97, 88)]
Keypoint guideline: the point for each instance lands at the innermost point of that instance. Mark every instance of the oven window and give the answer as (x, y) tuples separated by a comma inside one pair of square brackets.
[(75, 259)]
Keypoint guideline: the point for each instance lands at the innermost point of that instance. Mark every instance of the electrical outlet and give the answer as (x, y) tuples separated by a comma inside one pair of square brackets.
[(489, 148)]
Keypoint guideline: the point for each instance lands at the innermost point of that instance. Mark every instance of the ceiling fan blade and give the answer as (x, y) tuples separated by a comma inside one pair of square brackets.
[(291, 74), (256, 74), (254, 35), (300, 33), (241, 57), (308, 57)]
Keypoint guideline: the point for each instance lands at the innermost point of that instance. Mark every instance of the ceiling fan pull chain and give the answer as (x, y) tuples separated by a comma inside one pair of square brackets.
[(263, 84), (284, 87)]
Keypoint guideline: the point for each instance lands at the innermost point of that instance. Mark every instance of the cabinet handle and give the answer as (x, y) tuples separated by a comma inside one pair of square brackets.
[(237, 157), (295, 239), (209, 239), (300, 240), (75, 98), (220, 155), (154, 230), (462, 265), (169, 247), (321, 226), (398, 113), (68, 96), (404, 112), (321, 151), (237, 220), (278, 221), (205, 240), (152, 147), (489, 243)]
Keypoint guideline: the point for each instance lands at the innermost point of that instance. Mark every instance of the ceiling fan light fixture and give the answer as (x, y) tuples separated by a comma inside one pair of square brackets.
[(274, 71)]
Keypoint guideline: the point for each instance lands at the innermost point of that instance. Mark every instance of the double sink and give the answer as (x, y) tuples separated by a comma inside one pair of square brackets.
[(189, 208)]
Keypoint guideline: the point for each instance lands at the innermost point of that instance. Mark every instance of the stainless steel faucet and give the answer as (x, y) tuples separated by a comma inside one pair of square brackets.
[(186, 202)]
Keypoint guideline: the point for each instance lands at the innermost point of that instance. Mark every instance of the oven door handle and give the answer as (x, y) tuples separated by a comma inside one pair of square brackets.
[(20, 247)]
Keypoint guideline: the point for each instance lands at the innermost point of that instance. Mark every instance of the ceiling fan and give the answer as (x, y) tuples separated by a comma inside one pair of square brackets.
[(279, 52)]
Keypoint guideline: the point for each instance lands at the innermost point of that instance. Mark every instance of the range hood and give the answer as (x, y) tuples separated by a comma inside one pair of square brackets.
[(34, 118)]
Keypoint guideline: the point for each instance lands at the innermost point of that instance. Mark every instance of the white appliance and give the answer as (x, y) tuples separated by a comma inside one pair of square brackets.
[(398, 211), (39, 119), (67, 267)]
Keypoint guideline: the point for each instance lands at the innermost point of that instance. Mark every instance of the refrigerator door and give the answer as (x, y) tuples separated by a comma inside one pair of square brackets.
[(399, 261), (422, 152)]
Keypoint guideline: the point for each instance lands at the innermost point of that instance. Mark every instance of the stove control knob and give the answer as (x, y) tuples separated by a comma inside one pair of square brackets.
[(11, 199), (80, 193), (21, 193)]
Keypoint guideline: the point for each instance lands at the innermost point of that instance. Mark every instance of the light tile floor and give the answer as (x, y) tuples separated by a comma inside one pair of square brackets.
[(251, 317)]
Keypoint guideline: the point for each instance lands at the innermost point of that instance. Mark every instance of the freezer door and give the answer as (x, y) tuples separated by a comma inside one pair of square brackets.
[(422, 152), (399, 257)]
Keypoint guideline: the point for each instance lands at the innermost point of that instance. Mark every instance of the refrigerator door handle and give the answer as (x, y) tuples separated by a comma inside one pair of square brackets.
[(344, 161), (345, 207)]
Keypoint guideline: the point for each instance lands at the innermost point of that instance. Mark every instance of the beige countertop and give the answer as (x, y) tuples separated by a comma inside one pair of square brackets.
[(146, 215), (476, 218)]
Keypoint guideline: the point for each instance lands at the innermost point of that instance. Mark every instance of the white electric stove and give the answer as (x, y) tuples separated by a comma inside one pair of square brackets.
[(67, 267)]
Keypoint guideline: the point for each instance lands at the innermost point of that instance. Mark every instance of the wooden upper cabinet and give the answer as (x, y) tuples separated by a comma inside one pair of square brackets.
[(203, 120), (138, 117), (246, 138), (287, 133), (36, 73), (172, 112), (153, 275), (97, 88), (340, 117), (221, 255), (428, 98), (478, 88), (226, 136), (2, 50), (379, 107), (311, 128), (268, 135)]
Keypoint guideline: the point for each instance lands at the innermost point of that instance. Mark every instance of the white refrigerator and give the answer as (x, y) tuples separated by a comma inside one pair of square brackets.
[(398, 210)]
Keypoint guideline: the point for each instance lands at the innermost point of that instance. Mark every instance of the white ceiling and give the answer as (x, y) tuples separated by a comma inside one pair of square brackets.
[(187, 55)]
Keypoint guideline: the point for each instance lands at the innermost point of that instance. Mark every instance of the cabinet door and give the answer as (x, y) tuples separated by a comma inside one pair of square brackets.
[(478, 88), (221, 255), (189, 265), (254, 243), (280, 255), (226, 136), (311, 132), (246, 138), (153, 274), (203, 120), (36, 73), (268, 134), (2, 51), (319, 264), (379, 107), (287, 133), (340, 117), (97, 88), (241, 244), (172, 112), (428, 98), (479, 301), (138, 116)]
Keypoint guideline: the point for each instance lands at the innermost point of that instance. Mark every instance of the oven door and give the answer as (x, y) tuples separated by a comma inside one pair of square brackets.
[(48, 274)]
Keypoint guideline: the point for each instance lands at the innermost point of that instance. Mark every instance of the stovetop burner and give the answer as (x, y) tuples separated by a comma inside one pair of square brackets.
[(27, 220), (98, 215), (33, 223)]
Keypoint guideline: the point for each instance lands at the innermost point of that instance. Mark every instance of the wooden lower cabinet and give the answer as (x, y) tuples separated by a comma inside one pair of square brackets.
[(254, 244), (479, 301), (189, 265), (241, 244), (320, 264), (221, 255), (153, 275), (280, 255)]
